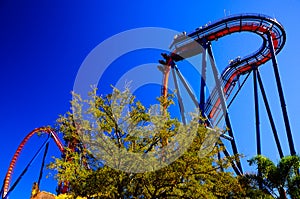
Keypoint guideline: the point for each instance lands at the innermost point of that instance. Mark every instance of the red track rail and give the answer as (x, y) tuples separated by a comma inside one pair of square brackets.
[(12, 164), (188, 45)]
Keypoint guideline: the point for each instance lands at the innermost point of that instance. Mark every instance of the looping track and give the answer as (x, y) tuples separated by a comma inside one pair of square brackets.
[(46, 130), (184, 46)]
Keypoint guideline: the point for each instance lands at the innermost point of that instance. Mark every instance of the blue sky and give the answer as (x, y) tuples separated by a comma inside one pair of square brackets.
[(43, 45)]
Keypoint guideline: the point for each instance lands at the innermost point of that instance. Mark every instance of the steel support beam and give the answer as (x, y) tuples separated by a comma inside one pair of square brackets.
[(223, 103), (268, 109), (281, 97), (257, 122), (226, 153), (187, 87), (203, 84), (179, 98), (256, 105)]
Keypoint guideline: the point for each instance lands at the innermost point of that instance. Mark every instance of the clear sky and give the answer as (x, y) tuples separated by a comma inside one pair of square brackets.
[(43, 44)]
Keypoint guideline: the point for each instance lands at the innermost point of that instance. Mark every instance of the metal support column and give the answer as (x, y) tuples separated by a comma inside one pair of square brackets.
[(223, 104), (257, 121), (281, 96), (203, 84), (187, 87), (179, 98), (219, 156), (234, 167), (268, 109)]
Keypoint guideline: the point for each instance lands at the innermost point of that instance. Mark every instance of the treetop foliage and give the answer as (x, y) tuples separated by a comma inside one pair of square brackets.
[(118, 148)]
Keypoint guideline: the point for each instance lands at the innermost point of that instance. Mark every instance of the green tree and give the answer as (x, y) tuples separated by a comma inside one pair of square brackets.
[(278, 180), (115, 127)]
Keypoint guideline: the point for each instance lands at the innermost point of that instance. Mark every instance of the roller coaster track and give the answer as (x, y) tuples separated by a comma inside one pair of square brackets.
[(50, 132), (215, 108), (184, 46)]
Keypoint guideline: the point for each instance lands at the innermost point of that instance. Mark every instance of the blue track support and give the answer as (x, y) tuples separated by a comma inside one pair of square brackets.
[(180, 102), (43, 163), (268, 109), (203, 84), (281, 96), (257, 122), (256, 105), (219, 158), (187, 87), (234, 167), (223, 105)]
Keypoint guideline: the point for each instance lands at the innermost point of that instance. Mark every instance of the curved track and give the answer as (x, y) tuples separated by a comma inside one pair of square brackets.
[(183, 46), (11, 167)]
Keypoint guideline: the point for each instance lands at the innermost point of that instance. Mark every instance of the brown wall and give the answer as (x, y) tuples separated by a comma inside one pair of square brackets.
[(44, 195)]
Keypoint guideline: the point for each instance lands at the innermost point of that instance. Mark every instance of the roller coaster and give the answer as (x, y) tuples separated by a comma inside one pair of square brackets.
[(187, 45), (215, 106)]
